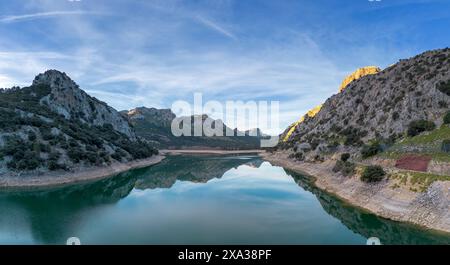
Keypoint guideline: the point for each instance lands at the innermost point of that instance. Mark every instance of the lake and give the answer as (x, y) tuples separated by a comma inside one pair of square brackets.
[(197, 200)]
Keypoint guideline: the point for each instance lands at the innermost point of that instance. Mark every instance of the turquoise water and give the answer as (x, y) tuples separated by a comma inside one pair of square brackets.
[(196, 200)]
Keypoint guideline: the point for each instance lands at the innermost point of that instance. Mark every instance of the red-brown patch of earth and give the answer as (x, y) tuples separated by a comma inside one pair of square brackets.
[(413, 162)]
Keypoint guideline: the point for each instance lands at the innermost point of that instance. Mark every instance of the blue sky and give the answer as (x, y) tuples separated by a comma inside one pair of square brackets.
[(151, 53)]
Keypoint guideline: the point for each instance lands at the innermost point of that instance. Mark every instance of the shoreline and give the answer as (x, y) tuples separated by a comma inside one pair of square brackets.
[(209, 152), (58, 179), (429, 210)]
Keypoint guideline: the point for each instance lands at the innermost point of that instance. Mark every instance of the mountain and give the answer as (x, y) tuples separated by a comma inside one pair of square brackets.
[(54, 125), (359, 73), (154, 125), (384, 107)]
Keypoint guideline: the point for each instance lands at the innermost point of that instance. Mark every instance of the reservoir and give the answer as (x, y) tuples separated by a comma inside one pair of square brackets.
[(197, 200)]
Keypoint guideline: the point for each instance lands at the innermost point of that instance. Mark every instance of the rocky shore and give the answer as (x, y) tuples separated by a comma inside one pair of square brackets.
[(429, 209), (80, 175), (209, 151)]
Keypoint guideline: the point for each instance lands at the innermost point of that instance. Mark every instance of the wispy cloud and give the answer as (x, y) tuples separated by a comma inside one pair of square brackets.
[(164, 50), (18, 18), (215, 27)]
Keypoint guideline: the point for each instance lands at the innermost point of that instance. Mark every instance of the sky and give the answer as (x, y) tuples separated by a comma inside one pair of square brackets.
[(132, 53)]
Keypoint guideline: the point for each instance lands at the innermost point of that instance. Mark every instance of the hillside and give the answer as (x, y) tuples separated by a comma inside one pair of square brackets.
[(54, 125), (378, 110), (154, 125)]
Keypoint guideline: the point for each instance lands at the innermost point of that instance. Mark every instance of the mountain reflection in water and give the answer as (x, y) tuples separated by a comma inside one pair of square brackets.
[(51, 216)]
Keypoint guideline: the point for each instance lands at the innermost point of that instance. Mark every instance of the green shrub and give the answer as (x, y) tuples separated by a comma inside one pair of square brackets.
[(299, 156), (54, 156), (347, 168), (447, 118), (444, 87), (345, 157), (31, 136), (53, 165), (75, 154), (370, 150), (372, 174), (419, 126), (395, 116), (446, 146)]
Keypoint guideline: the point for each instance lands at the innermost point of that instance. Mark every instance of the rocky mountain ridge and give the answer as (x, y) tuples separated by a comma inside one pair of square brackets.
[(378, 106), (54, 125), (66, 98), (154, 125)]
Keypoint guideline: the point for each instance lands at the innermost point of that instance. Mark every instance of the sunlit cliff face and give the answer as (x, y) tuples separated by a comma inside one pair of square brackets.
[(310, 114), (368, 70)]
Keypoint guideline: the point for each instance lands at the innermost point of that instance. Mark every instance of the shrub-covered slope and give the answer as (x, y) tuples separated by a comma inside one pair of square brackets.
[(408, 98), (54, 125)]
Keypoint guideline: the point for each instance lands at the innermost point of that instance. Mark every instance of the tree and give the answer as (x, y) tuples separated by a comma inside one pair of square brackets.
[(372, 174), (419, 126), (345, 157), (446, 146), (444, 87), (370, 150), (447, 118)]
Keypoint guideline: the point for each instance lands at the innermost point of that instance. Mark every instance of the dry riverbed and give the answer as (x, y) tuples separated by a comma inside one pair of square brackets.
[(80, 175), (429, 209)]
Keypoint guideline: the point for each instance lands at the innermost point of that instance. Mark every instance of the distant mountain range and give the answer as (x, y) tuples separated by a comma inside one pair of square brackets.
[(55, 125), (155, 125)]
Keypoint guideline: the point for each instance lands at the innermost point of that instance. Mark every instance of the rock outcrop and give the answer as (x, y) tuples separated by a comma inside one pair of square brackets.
[(53, 125), (66, 98), (380, 105), (361, 72)]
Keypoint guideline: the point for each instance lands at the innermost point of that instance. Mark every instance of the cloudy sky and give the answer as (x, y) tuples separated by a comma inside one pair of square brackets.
[(132, 53)]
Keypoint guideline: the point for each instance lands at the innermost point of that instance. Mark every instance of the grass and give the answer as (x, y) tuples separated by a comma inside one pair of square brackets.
[(432, 137), (438, 156), (419, 181), (429, 142)]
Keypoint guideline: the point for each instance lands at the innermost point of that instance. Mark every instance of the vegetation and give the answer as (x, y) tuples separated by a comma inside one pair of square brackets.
[(47, 134), (345, 157), (447, 118), (352, 136), (420, 180), (370, 150), (298, 155), (372, 174), (445, 146), (419, 126), (435, 136), (444, 87), (347, 168)]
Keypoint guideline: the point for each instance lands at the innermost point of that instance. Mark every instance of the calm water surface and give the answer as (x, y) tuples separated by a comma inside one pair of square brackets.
[(197, 200)]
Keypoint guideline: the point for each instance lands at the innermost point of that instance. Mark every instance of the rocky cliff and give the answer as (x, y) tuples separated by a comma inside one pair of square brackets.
[(54, 125), (361, 72), (67, 99), (378, 106)]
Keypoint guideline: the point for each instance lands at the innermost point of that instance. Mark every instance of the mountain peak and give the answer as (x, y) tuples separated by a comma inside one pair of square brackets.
[(55, 79), (361, 72)]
